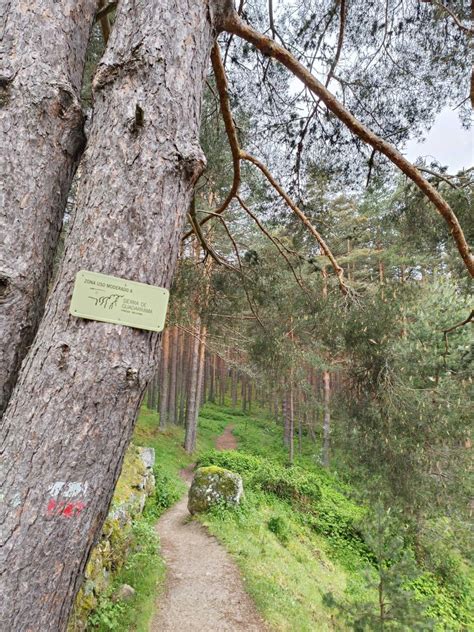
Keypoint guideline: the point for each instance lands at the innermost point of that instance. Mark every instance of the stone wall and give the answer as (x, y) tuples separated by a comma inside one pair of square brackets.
[(135, 484)]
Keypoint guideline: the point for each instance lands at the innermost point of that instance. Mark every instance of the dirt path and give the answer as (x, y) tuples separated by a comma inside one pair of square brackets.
[(226, 441), (204, 589)]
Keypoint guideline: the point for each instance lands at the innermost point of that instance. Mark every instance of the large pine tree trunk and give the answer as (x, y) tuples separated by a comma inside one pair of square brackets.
[(43, 46), (71, 415)]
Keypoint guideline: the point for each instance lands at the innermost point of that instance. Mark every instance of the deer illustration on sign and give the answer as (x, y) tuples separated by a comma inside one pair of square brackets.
[(103, 301)]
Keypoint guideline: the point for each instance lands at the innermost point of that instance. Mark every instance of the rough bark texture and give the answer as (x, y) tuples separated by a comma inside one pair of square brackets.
[(43, 46), (71, 415)]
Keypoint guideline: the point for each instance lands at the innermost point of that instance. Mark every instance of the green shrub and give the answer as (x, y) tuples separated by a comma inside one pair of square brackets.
[(279, 527), (444, 607), (231, 460), (293, 484), (166, 493)]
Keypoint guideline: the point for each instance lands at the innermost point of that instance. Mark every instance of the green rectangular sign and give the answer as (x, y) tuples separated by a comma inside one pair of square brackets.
[(119, 301)]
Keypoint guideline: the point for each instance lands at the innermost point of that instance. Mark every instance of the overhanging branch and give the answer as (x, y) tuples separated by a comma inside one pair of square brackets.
[(238, 154), (233, 24)]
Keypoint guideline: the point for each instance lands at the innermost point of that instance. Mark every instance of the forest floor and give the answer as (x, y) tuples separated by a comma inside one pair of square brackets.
[(204, 590), (272, 564)]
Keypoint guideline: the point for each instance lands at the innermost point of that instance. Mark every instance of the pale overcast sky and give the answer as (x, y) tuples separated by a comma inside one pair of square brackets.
[(447, 142)]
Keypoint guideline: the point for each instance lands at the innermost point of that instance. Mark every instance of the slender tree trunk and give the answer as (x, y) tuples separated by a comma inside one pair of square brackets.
[(205, 381), (193, 394), (173, 375), (244, 393), (300, 424), (249, 396), (202, 352), (326, 417), (152, 393), (286, 418), (182, 378), (212, 380), (222, 381), (70, 418), (43, 47), (234, 387), (291, 428), (165, 377)]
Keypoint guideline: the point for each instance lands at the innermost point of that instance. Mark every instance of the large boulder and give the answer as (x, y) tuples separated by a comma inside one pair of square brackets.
[(212, 486)]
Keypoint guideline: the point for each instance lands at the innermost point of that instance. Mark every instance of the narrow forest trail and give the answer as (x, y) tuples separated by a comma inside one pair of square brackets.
[(204, 590), (226, 441)]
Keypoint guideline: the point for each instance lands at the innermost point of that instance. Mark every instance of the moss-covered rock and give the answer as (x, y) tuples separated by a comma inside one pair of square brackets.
[(135, 484), (214, 485)]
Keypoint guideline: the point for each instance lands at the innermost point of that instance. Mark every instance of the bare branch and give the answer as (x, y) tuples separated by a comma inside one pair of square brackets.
[(235, 25), (244, 285), (270, 17), (238, 154), (282, 193), (439, 176), (221, 82), (467, 320), (202, 240), (274, 242), (340, 39)]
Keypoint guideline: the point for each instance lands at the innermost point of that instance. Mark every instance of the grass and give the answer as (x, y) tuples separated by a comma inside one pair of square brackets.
[(287, 578), (145, 571), (296, 563)]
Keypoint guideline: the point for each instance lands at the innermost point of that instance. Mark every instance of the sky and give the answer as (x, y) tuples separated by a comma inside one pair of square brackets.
[(447, 142)]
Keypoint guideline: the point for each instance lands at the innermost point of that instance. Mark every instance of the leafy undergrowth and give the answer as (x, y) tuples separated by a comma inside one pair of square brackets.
[(303, 547), (298, 537)]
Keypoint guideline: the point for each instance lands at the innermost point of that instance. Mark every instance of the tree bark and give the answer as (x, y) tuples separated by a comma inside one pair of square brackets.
[(202, 352), (212, 379), (164, 374), (182, 386), (191, 417), (285, 408), (72, 413), (41, 138), (152, 393), (173, 375)]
